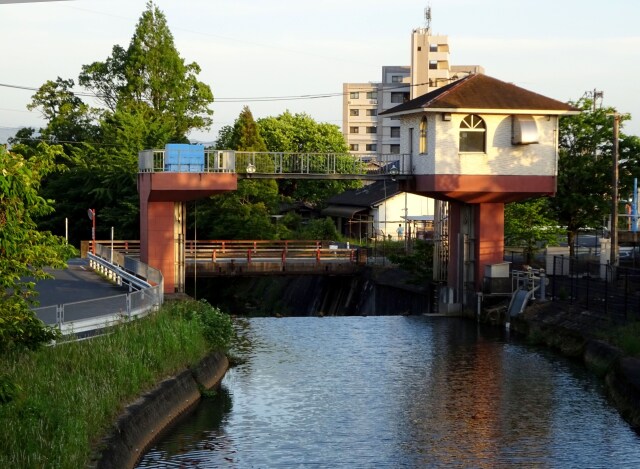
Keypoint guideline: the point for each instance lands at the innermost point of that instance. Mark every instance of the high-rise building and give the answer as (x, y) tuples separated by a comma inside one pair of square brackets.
[(364, 131)]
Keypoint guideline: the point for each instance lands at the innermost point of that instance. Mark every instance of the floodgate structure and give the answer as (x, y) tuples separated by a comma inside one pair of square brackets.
[(472, 145)]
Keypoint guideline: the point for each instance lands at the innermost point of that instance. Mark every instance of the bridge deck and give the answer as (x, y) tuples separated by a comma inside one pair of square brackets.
[(211, 258)]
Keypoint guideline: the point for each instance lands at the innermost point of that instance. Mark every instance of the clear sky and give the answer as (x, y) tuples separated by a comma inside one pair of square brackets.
[(251, 49)]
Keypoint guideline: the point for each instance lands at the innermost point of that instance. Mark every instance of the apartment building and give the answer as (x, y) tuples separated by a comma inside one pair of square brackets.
[(364, 131)]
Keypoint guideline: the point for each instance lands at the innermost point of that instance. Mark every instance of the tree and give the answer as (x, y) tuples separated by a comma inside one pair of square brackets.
[(246, 212), (69, 119), (25, 251), (528, 225), (585, 163), (149, 97), (299, 133), (152, 83)]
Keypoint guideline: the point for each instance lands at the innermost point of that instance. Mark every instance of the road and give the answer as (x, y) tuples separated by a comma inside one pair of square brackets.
[(76, 283)]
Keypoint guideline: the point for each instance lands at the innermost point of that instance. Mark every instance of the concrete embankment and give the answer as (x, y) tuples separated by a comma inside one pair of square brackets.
[(370, 292), (145, 419), (574, 333)]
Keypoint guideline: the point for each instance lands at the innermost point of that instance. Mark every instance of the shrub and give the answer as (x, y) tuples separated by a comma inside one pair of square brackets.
[(217, 327), (21, 329)]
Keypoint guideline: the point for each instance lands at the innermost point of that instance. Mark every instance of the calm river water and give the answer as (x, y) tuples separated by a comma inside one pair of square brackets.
[(396, 391)]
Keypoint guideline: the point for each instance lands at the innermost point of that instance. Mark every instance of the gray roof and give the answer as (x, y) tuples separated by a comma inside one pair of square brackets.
[(367, 196)]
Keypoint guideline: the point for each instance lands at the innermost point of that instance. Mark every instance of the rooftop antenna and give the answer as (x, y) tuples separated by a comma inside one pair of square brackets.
[(427, 17)]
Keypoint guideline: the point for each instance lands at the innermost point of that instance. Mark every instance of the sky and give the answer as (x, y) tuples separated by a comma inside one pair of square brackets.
[(279, 49)]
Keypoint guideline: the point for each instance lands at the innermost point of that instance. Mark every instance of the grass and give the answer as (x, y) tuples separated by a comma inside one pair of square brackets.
[(626, 337), (67, 396)]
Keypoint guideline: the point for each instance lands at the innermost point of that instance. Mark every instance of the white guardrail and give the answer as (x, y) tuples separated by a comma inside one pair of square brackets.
[(146, 294)]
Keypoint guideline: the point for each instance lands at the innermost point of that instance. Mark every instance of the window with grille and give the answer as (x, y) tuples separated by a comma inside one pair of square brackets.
[(472, 134)]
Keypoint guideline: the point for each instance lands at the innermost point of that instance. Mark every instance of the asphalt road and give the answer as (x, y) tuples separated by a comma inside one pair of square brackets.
[(76, 283)]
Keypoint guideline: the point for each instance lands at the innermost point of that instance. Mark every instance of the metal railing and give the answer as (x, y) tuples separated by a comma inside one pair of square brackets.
[(613, 292), (223, 257), (278, 164), (146, 294)]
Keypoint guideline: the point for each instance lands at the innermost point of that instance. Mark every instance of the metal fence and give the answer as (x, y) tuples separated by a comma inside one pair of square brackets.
[(90, 316), (278, 164), (595, 287)]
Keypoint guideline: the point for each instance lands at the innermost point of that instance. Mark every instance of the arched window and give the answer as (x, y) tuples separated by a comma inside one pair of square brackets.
[(472, 134), (423, 135)]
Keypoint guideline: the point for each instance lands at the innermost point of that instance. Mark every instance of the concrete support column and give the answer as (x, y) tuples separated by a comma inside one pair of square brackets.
[(163, 217), (157, 220), (489, 231)]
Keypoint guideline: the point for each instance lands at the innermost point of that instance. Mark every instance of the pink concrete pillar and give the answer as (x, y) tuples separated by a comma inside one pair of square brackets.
[(489, 234), (157, 229)]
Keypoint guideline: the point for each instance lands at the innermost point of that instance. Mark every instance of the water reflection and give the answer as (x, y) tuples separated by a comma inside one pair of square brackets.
[(398, 392)]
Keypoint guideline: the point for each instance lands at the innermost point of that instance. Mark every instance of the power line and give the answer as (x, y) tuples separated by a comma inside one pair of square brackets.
[(246, 99)]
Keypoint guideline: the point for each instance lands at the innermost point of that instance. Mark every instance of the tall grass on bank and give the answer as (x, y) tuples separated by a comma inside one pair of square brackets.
[(66, 397), (626, 337)]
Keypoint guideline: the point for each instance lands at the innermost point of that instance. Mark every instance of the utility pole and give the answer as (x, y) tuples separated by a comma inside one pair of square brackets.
[(614, 196), (597, 95)]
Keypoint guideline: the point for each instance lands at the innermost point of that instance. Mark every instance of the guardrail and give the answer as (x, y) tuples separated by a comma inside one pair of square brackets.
[(277, 164), (213, 258), (146, 294)]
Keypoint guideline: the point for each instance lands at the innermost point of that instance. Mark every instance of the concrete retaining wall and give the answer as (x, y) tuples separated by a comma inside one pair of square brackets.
[(142, 421), (561, 331)]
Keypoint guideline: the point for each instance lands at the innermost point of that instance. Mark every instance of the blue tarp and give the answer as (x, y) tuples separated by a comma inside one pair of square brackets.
[(183, 157)]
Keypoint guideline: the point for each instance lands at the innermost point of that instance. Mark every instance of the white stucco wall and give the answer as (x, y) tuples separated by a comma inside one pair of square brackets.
[(388, 215), (500, 158)]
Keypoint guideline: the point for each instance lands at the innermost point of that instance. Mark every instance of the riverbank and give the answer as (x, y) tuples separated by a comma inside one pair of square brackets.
[(59, 402), (144, 420), (590, 338)]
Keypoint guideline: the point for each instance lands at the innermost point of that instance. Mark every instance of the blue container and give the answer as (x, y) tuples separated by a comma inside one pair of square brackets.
[(183, 157)]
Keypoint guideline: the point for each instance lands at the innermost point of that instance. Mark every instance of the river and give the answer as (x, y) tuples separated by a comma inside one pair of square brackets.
[(398, 391)]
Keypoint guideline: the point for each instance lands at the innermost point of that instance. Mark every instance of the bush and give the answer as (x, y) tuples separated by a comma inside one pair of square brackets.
[(419, 263), (217, 327), (21, 329)]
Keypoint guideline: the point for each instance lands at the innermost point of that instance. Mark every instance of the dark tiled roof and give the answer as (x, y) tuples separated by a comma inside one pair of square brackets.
[(367, 196), (482, 92)]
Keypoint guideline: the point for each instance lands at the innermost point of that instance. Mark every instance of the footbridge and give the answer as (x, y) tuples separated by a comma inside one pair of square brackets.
[(220, 258), (275, 165), (170, 177)]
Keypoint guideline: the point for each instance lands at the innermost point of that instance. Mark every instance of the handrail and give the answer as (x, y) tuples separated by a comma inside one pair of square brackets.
[(525, 284), (276, 164), (115, 273)]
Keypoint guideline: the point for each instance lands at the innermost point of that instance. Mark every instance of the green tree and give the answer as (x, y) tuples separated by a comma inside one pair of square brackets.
[(24, 250), (69, 119), (299, 133), (528, 225), (149, 97), (321, 228), (149, 86), (246, 212), (583, 198)]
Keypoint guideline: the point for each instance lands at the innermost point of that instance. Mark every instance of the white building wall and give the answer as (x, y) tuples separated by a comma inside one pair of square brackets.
[(389, 215), (501, 156)]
